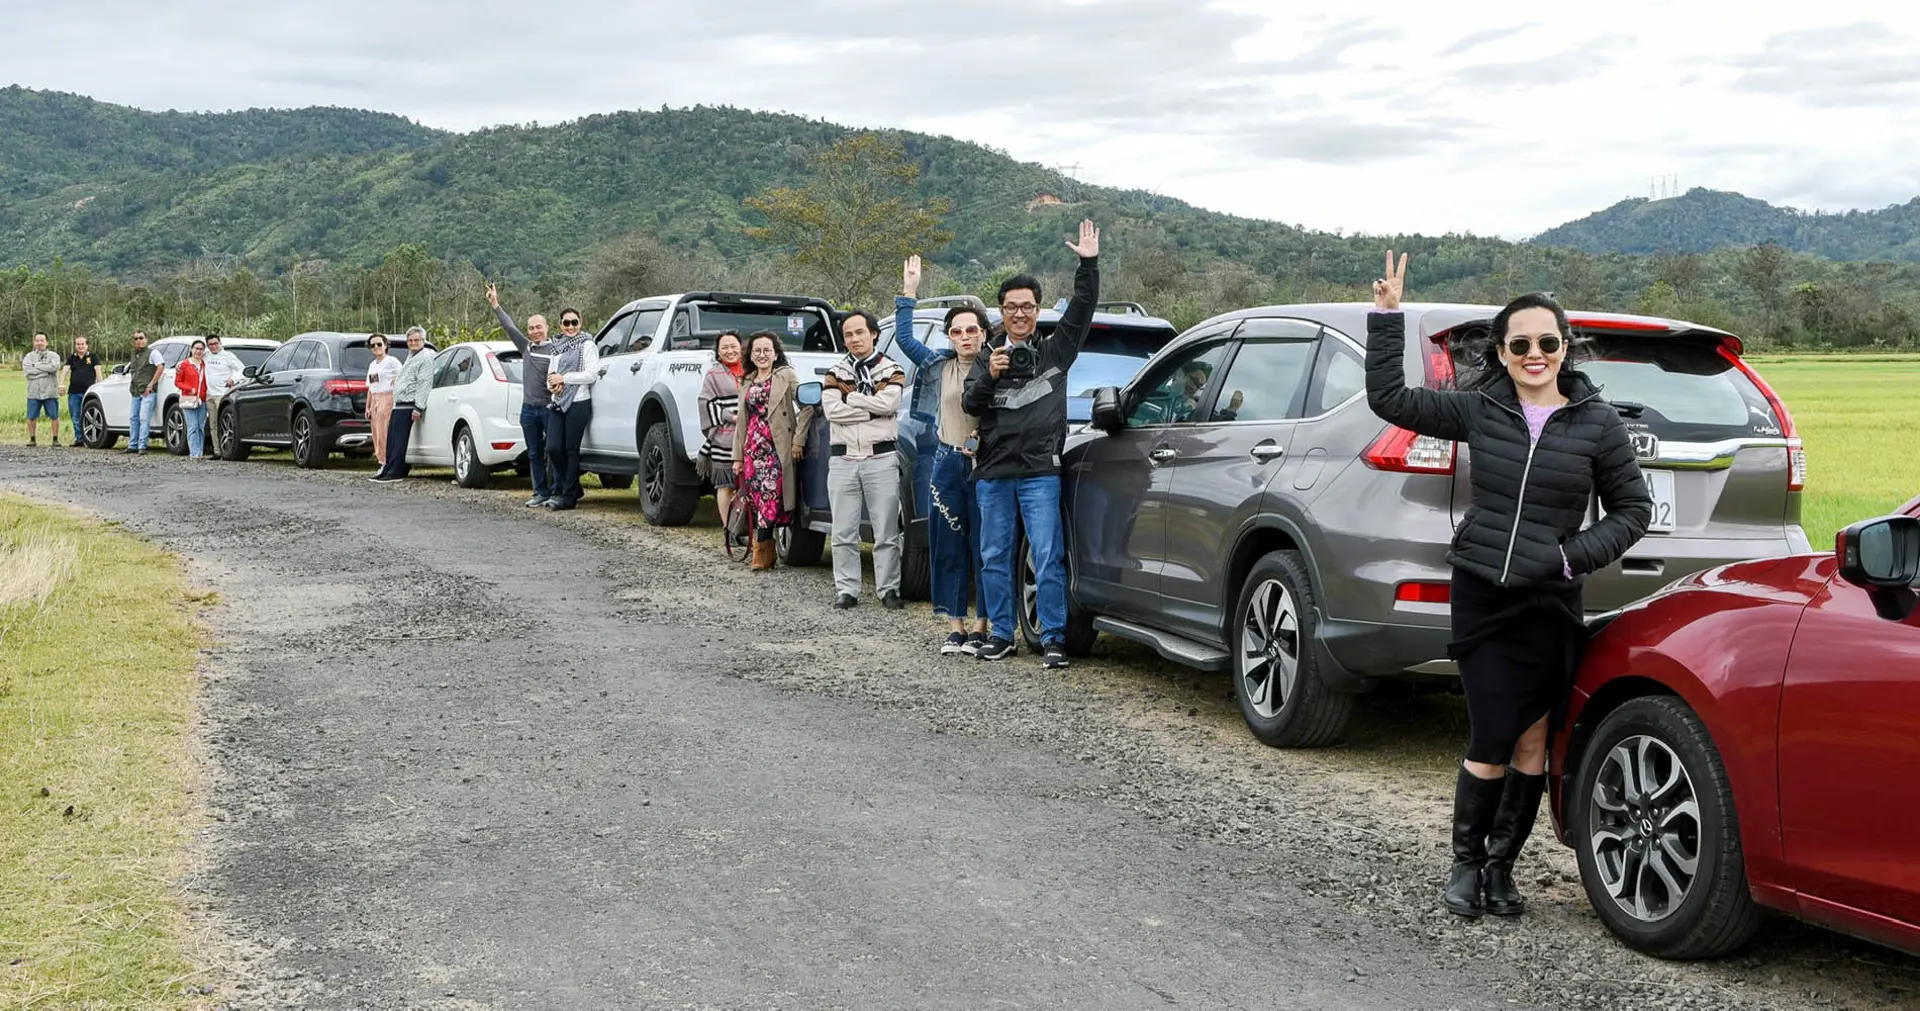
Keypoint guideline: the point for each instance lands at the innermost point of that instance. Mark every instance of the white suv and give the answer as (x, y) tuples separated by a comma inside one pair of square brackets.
[(654, 353), (105, 411)]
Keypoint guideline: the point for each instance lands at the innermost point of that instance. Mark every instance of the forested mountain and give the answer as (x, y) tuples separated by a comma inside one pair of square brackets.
[(272, 221), (1702, 220)]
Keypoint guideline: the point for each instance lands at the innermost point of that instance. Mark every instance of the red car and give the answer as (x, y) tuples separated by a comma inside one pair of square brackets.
[(1748, 738)]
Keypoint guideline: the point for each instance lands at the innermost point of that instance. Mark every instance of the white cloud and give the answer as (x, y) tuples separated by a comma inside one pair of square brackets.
[(1506, 117)]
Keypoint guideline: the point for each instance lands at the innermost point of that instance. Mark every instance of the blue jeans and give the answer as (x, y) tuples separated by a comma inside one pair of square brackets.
[(533, 426), (1035, 501), (953, 534), (196, 418), (74, 400), (140, 421)]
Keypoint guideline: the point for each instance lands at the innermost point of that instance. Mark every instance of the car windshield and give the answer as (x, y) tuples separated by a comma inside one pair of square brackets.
[(1679, 388), (510, 361), (251, 356)]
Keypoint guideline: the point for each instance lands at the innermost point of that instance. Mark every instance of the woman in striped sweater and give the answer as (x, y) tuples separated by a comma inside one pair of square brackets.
[(719, 406)]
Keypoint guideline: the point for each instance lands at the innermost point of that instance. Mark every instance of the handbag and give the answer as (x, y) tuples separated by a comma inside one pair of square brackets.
[(189, 403)]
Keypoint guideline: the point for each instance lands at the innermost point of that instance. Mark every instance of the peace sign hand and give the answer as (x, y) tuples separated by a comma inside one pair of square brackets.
[(1390, 287), (493, 296)]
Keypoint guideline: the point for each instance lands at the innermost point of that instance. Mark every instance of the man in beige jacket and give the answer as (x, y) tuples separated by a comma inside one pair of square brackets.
[(860, 395)]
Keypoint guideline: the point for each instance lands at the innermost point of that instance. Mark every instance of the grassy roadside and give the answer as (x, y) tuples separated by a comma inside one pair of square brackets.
[(97, 810)]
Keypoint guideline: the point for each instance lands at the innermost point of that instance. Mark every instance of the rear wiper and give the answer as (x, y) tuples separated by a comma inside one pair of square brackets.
[(1629, 409)]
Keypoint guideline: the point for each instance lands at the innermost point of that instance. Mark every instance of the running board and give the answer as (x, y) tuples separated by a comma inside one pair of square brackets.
[(1179, 650)]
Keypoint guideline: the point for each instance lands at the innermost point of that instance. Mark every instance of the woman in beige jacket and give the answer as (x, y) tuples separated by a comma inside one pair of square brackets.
[(771, 435)]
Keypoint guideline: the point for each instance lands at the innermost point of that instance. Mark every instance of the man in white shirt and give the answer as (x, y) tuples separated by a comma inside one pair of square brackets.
[(223, 374)]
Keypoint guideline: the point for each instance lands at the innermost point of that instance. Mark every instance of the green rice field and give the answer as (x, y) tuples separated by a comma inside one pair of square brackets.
[(1858, 416)]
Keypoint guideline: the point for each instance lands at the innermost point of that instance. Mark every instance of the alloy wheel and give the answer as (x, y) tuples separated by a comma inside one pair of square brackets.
[(228, 423), (463, 461), (653, 474), (1644, 819), (302, 437), (93, 424), (175, 433), (1269, 660), (1029, 591)]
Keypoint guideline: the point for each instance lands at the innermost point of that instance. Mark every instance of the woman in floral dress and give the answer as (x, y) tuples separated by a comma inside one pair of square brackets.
[(773, 435)]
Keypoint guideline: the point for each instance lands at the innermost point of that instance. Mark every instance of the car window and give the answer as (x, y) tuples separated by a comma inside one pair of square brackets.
[(804, 329), (304, 354), (1340, 374), (1679, 389), (454, 369), (1266, 381), (252, 356), (1176, 391), (645, 322), (172, 353), (510, 364), (281, 359), (614, 339)]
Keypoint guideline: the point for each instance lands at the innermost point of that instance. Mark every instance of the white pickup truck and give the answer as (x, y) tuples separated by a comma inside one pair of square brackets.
[(654, 353)]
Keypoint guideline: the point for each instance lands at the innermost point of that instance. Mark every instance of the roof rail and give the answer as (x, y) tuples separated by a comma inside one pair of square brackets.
[(1124, 308), (945, 301)]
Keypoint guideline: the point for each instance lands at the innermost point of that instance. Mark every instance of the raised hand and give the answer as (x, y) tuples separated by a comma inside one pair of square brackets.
[(910, 277), (1390, 287), (493, 296), (1089, 244)]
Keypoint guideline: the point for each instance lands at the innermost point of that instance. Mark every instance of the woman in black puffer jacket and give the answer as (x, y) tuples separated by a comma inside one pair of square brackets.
[(1543, 444)]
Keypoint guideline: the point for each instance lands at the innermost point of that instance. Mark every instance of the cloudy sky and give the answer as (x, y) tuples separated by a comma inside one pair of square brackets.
[(1493, 117)]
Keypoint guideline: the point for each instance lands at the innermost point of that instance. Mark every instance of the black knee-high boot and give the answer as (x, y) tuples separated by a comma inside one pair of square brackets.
[(1475, 801), (1519, 807)]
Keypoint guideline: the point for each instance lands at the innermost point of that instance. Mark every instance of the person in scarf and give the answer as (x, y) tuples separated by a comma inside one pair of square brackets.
[(953, 522), (574, 367), (859, 395), (719, 408)]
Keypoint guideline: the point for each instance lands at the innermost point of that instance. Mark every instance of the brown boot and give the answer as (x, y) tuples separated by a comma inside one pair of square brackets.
[(762, 555)]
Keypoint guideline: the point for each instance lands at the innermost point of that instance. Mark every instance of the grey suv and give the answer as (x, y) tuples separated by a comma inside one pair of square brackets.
[(1237, 506)]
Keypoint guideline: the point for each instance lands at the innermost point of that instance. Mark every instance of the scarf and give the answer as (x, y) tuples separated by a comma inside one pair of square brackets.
[(739, 369), (566, 358), (867, 375)]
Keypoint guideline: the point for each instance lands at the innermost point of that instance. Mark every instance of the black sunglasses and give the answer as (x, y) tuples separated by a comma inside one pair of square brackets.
[(1519, 346), (569, 322)]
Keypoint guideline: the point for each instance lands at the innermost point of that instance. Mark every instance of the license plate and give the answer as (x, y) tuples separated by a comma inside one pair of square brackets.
[(1660, 486)]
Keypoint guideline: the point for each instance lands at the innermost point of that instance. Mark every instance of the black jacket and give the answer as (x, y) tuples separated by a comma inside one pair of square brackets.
[(1024, 421), (1529, 501)]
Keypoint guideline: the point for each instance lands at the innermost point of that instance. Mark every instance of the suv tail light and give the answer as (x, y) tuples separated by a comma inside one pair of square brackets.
[(1796, 452), (1400, 450), (499, 371), (343, 387)]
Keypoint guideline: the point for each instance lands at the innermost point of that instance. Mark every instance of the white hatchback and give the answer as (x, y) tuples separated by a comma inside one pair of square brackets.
[(472, 417), (106, 411)]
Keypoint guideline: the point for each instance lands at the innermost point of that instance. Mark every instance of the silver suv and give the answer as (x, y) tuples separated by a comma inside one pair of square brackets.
[(1237, 506)]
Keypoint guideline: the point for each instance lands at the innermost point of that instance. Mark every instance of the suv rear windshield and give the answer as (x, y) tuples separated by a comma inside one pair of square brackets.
[(355, 358), (799, 329), (1689, 391)]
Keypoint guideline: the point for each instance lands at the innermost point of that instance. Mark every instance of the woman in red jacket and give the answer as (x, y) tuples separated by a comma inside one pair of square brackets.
[(191, 380)]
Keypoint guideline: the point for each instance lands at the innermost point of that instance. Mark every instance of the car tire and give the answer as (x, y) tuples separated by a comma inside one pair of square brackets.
[(916, 557), (468, 471), (1270, 640), (799, 547), (93, 426), (231, 446), (1080, 633), (616, 482), (310, 451), (1637, 848), (173, 430), (666, 500)]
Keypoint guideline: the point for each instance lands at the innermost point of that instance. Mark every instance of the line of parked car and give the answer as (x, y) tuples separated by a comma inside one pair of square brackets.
[(1740, 734)]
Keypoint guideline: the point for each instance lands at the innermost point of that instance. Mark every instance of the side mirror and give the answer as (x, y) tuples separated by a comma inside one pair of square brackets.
[(1106, 410), (250, 371), (808, 394), (119, 370), (1880, 554)]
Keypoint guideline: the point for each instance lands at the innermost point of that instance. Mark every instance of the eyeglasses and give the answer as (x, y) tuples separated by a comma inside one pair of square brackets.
[(1520, 347), (964, 331), (1022, 308)]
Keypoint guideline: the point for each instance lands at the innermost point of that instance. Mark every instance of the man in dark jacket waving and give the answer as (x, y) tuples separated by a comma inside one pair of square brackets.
[(1019, 393)]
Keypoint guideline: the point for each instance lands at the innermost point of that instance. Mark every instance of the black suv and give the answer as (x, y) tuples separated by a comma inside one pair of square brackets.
[(1123, 338), (310, 396)]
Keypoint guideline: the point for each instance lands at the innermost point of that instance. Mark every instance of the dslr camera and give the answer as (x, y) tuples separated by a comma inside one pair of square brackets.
[(1022, 362)]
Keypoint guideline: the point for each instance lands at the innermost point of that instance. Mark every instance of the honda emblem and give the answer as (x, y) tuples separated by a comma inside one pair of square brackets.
[(1646, 446)]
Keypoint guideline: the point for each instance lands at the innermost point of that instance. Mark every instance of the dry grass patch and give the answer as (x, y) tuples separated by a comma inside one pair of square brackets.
[(97, 812)]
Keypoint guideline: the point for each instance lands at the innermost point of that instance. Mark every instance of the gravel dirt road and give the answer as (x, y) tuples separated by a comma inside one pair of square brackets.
[(466, 756)]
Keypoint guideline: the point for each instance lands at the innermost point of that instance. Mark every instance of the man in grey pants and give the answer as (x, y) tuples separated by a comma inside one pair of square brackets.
[(860, 395)]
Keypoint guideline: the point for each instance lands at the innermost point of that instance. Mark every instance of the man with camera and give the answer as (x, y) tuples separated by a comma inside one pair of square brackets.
[(1019, 393)]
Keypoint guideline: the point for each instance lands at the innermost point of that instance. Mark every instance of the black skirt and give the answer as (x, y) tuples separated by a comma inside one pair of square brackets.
[(1517, 650)]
